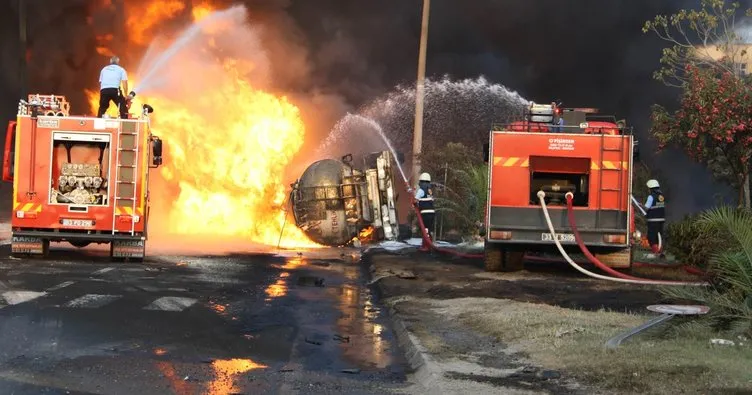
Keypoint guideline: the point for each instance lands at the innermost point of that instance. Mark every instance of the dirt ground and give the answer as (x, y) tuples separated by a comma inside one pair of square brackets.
[(555, 284), (543, 330)]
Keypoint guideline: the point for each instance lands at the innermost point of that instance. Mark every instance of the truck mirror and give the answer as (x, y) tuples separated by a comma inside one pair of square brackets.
[(156, 149), (485, 152)]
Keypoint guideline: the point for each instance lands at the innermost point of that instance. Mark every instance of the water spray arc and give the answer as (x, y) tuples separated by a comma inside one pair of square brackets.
[(483, 103), (148, 69), (228, 165)]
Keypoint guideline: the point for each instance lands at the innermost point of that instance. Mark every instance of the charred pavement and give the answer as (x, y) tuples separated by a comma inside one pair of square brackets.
[(77, 323)]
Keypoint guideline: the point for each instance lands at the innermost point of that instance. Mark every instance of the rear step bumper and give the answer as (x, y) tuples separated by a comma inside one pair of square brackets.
[(64, 236), (38, 242)]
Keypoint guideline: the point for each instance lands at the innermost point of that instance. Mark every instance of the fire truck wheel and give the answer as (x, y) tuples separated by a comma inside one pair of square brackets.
[(620, 260), (513, 261), (492, 257), (45, 248), (497, 259)]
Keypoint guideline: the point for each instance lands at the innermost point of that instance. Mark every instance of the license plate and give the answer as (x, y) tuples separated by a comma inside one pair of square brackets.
[(559, 236), (128, 249), (79, 223)]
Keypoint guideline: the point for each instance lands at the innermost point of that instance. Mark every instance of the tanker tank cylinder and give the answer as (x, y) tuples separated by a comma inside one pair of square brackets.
[(325, 203), (88, 182), (97, 182), (72, 181), (62, 181)]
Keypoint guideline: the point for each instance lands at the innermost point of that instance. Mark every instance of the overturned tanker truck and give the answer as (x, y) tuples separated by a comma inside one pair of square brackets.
[(336, 204)]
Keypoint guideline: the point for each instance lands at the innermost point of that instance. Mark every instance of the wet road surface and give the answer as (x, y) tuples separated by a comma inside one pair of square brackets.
[(77, 323)]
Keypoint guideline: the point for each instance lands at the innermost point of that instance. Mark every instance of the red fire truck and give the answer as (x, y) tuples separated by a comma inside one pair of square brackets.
[(79, 179), (572, 154)]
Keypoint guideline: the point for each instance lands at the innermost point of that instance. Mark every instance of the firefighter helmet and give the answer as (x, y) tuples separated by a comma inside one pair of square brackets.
[(653, 184), (425, 177)]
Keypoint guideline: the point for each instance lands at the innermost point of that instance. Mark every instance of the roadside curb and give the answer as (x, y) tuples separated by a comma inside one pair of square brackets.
[(426, 373)]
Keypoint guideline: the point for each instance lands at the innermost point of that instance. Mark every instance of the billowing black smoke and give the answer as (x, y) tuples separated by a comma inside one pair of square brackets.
[(340, 55)]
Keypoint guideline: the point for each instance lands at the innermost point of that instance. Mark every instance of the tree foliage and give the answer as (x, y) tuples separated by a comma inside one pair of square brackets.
[(714, 121), (704, 38), (713, 124)]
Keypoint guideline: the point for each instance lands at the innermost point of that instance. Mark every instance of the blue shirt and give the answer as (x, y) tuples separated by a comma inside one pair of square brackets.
[(649, 202), (560, 122), (111, 76), (419, 194)]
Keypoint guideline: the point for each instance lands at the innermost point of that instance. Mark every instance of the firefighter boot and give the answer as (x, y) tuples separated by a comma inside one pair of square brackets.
[(425, 246), (654, 252)]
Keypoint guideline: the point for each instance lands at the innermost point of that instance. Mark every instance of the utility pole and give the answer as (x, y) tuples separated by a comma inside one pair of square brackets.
[(419, 93), (22, 47)]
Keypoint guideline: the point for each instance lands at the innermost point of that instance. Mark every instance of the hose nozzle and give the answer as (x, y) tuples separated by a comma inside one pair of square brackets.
[(541, 194), (569, 195)]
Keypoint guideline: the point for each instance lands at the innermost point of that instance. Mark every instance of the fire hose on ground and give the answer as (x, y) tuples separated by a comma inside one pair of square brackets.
[(619, 277), (428, 242)]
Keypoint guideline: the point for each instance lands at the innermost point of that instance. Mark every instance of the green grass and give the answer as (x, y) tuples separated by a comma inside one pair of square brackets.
[(663, 361)]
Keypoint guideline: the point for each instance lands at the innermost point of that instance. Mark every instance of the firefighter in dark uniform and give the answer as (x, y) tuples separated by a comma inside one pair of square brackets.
[(424, 197), (656, 217)]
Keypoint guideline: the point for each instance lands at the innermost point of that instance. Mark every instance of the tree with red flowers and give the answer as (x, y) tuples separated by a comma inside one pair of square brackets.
[(714, 121), (713, 125)]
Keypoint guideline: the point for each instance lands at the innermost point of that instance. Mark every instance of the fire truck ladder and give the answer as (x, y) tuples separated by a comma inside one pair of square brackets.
[(605, 157), (126, 159)]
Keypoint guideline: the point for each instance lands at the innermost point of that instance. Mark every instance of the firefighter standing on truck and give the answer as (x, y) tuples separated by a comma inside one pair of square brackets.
[(424, 197), (656, 216), (110, 79)]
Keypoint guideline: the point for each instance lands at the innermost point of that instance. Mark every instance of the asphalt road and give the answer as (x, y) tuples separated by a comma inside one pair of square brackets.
[(77, 323)]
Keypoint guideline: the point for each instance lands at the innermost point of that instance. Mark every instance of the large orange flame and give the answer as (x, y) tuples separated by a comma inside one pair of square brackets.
[(226, 147)]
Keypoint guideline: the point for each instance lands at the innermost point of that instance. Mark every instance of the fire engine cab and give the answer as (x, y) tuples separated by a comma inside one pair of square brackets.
[(79, 179)]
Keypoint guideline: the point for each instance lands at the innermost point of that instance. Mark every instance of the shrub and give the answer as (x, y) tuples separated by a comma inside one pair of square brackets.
[(466, 203), (730, 264), (461, 199), (692, 243)]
